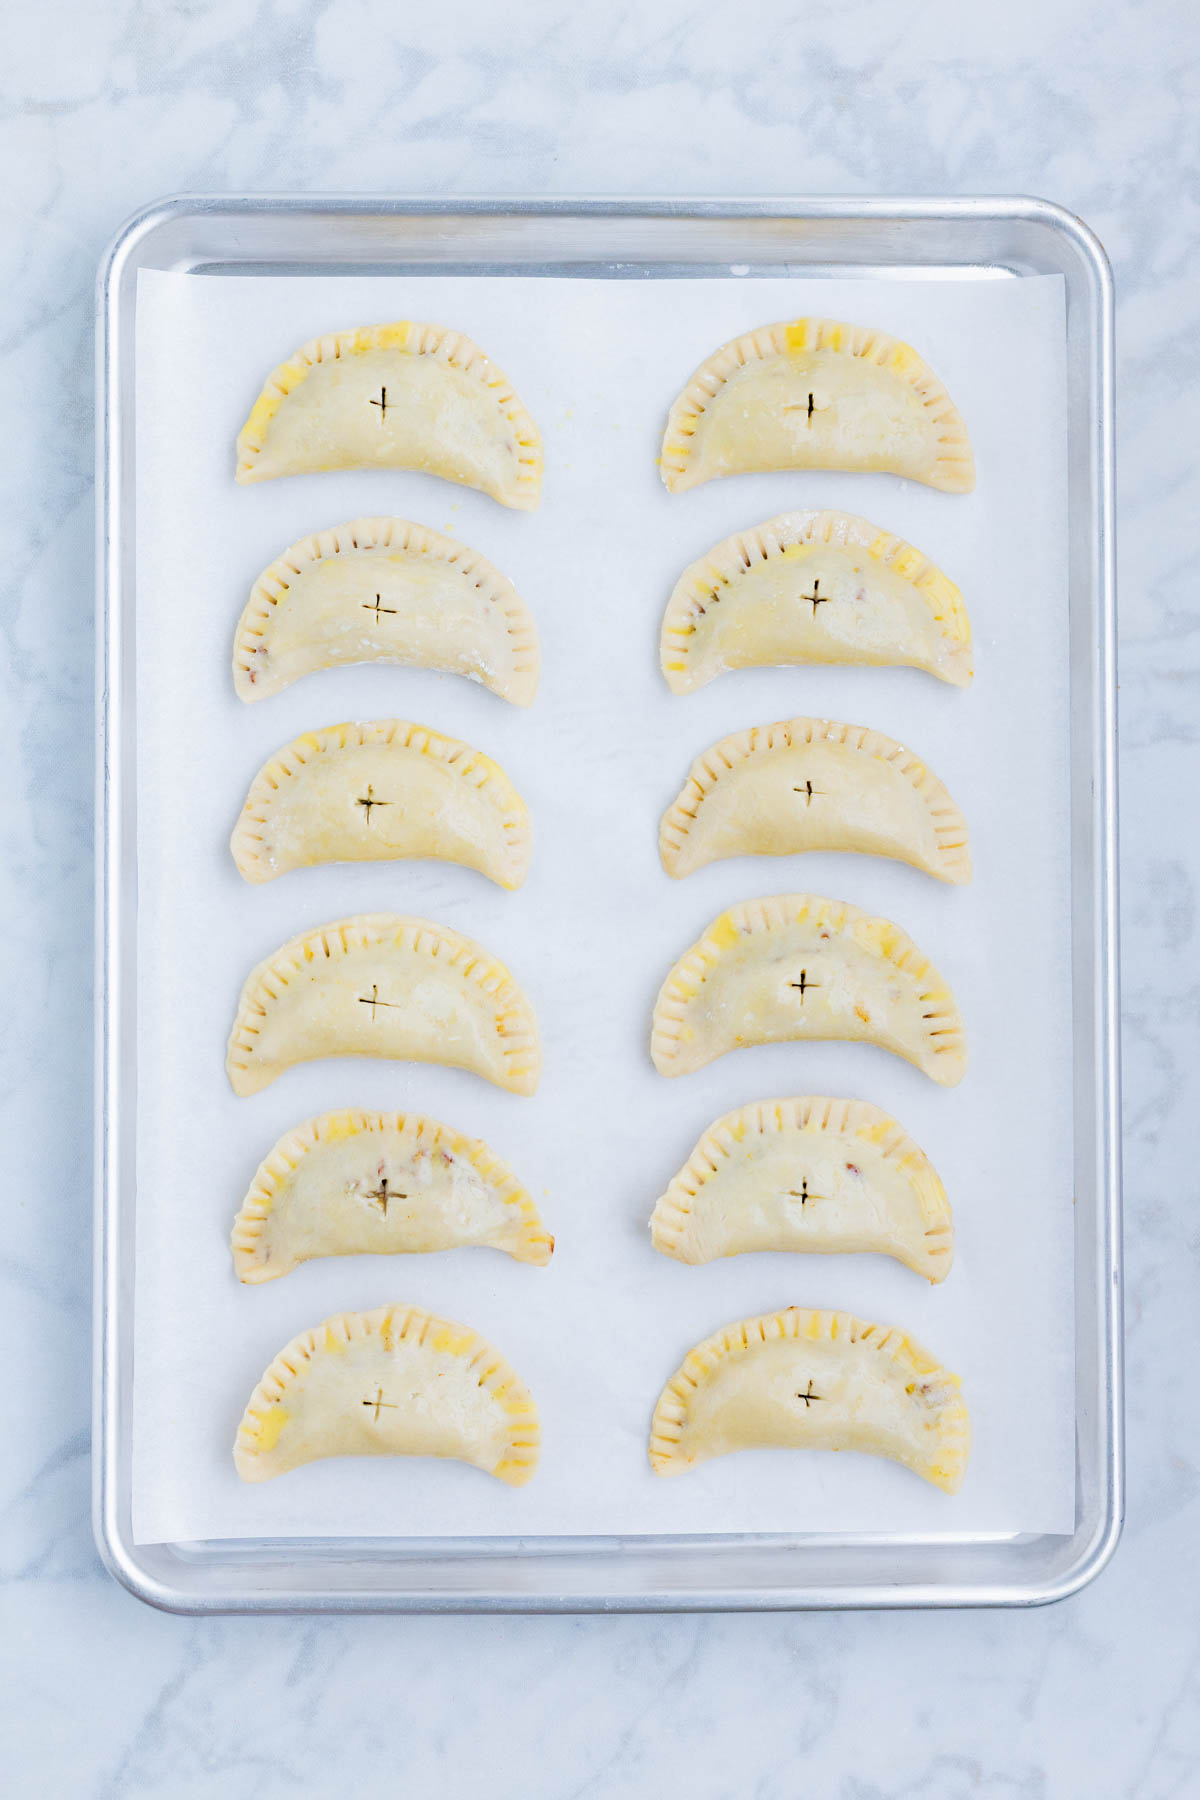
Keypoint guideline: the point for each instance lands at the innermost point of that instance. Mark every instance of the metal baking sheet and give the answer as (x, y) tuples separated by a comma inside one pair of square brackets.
[(962, 238)]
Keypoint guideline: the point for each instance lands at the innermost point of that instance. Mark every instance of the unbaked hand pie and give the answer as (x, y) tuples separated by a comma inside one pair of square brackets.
[(380, 1184), (796, 966), (811, 784), (382, 985), (393, 1382), (399, 396), (369, 793), (816, 394), (812, 1175), (813, 1381), (813, 587), (385, 590)]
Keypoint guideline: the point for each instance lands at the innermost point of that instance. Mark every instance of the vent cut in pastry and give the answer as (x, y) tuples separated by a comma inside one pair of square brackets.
[(813, 587), (812, 1175), (796, 966), (382, 1184), (400, 396), (384, 590), (813, 1381), (394, 1382), (816, 394), (809, 784), (369, 793), (382, 985)]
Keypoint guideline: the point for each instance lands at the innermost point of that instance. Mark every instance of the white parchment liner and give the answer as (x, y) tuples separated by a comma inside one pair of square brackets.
[(590, 936)]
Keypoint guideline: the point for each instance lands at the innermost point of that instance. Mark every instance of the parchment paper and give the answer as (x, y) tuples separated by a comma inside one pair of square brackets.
[(592, 933)]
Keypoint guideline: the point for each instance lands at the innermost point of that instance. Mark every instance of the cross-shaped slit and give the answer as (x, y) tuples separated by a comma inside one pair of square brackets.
[(377, 608), (368, 800), (817, 597), (808, 410), (802, 1194), (372, 999), (381, 403), (807, 1396), (383, 1193), (379, 1401), (808, 790), (803, 984)]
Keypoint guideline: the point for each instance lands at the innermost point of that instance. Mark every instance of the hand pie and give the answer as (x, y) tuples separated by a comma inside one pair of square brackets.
[(369, 793), (808, 784), (380, 1184), (394, 1382), (399, 396), (816, 394), (813, 587), (795, 966), (382, 590), (820, 1176), (381, 985), (813, 1381)]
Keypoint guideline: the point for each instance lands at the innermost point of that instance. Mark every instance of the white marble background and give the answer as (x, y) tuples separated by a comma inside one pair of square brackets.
[(106, 105)]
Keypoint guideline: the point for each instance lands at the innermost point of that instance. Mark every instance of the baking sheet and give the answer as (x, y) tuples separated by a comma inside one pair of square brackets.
[(595, 928)]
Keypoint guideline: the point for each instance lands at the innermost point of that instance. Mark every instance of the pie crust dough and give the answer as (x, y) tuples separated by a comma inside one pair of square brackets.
[(820, 1176), (382, 985), (393, 1382), (399, 396), (382, 1184), (370, 793), (813, 1381), (385, 590), (813, 587), (816, 394), (811, 784), (796, 966)]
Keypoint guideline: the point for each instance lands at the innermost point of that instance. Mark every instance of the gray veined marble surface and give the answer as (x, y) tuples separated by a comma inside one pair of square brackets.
[(1094, 103)]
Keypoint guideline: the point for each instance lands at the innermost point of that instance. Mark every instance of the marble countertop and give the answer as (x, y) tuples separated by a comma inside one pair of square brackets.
[(105, 108)]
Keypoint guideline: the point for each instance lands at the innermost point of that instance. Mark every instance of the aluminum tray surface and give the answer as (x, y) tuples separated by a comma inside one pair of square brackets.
[(901, 239)]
